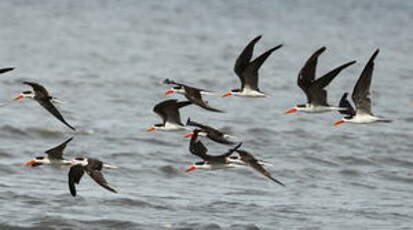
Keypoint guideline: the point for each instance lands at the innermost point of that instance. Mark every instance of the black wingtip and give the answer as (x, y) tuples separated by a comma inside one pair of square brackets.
[(257, 38), (7, 69), (374, 55)]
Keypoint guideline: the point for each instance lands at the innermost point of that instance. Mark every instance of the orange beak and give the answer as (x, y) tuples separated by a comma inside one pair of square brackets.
[(31, 162), (227, 94), (150, 129), (190, 168), (292, 110), (188, 135), (18, 97), (339, 122), (169, 92)]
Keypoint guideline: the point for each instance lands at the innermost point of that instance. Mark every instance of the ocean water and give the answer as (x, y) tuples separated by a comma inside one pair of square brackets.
[(107, 59)]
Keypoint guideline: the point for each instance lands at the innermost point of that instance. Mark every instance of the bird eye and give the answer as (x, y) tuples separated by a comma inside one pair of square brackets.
[(39, 158), (177, 87), (79, 158), (199, 163), (27, 92)]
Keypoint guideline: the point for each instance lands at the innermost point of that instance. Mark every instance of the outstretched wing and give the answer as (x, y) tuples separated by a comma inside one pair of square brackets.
[(75, 174), (47, 104), (4, 70), (197, 148), (231, 151), (249, 159), (306, 76), (361, 90), (244, 59), (250, 73), (194, 96), (344, 103), (57, 152)]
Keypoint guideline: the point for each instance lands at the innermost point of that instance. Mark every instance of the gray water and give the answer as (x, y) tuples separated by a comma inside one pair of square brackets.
[(106, 60)]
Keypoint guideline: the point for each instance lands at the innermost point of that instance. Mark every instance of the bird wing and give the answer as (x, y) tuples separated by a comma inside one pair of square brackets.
[(306, 75), (75, 174), (361, 90), (39, 89), (317, 93), (344, 103), (93, 169), (168, 110), (47, 104), (249, 159), (250, 73), (197, 148), (231, 151), (194, 96), (244, 59), (57, 152), (4, 70), (98, 177)]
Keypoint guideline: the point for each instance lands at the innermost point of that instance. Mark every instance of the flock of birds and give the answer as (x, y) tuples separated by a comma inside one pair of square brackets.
[(247, 71)]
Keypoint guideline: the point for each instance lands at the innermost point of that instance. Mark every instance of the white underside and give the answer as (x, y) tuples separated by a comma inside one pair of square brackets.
[(171, 127), (246, 92), (363, 119), (318, 108)]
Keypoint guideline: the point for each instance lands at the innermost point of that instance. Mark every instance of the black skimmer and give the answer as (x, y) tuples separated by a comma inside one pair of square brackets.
[(54, 157), (41, 95), (247, 158), (314, 89), (180, 88), (194, 95), (209, 132), (361, 99), (93, 168), (209, 162), (247, 70), (168, 110), (7, 69)]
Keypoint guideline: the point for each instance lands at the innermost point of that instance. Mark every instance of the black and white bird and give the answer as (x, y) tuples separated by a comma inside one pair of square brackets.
[(54, 157), (247, 70), (361, 98), (168, 110), (93, 167), (211, 133), (5, 70), (41, 95), (193, 94), (197, 148), (314, 88)]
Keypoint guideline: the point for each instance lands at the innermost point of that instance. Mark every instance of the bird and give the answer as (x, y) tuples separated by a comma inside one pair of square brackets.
[(247, 70), (179, 88), (168, 110), (41, 95), (93, 168), (54, 157), (7, 69), (194, 95), (197, 148), (248, 159), (361, 98), (209, 132), (314, 88)]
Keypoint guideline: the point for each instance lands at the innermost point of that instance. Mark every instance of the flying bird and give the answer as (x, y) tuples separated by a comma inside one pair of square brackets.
[(247, 70), (194, 95), (314, 88), (54, 157), (361, 98), (168, 110), (197, 148), (93, 168), (41, 95), (209, 132)]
